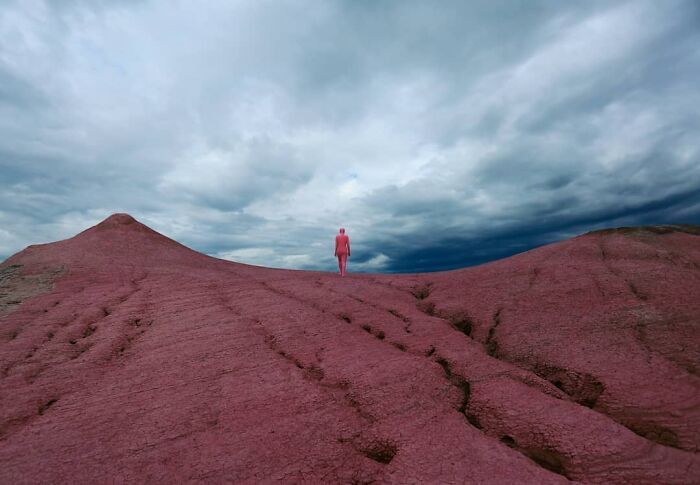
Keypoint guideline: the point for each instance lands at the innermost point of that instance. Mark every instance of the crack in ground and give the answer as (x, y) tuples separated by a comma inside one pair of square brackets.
[(491, 344), (85, 333), (315, 373), (460, 321), (394, 312), (580, 387), (343, 316), (463, 385)]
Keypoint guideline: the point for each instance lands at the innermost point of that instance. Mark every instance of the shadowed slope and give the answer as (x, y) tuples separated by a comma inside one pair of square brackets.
[(147, 361)]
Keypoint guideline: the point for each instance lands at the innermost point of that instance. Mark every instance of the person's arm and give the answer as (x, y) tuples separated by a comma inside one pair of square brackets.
[(348, 246), (335, 253)]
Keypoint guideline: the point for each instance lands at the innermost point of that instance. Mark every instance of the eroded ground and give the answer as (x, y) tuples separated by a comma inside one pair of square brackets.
[(149, 362)]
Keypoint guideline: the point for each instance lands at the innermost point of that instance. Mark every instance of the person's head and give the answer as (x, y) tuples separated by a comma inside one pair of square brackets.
[(342, 230)]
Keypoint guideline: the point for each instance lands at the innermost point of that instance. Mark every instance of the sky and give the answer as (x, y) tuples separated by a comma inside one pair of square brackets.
[(440, 134)]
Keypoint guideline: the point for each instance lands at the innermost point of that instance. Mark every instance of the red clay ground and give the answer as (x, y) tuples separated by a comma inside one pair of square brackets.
[(126, 357)]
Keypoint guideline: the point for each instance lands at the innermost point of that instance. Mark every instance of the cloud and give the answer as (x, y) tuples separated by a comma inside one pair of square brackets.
[(232, 179), (374, 264), (439, 135)]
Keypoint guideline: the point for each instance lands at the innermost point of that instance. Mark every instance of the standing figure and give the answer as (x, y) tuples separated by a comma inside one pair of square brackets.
[(342, 250)]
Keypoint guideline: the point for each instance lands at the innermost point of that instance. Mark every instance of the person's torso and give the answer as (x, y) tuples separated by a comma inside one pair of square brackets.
[(341, 243)]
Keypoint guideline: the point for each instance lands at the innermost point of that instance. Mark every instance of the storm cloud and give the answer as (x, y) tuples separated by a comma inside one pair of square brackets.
[(440, 134)]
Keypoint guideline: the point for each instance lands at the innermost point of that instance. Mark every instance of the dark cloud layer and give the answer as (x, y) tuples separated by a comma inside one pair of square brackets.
[(441, 134), (473, 249)]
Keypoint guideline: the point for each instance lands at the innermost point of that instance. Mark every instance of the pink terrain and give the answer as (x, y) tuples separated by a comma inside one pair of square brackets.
[(126, 357)]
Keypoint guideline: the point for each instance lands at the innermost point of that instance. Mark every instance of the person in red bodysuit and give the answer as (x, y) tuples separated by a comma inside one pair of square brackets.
[(342, 250)]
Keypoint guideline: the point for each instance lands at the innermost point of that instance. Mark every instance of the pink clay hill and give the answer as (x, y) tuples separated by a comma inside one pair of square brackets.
[(126, 357)]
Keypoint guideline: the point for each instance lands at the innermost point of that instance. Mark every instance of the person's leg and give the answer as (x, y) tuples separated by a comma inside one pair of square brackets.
[(340, 264), (345, 263)]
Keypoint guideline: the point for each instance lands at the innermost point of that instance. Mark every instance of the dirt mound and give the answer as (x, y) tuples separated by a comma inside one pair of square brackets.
[(129, 357)]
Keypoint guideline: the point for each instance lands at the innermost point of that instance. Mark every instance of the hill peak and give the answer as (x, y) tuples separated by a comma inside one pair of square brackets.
[(118, 219), (121, 236), (121, 222)]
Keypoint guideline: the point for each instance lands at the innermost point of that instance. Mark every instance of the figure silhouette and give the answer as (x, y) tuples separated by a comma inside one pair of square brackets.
[(342, 250)]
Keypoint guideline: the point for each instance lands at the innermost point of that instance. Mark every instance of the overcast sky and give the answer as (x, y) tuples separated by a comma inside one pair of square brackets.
[(440, 134)]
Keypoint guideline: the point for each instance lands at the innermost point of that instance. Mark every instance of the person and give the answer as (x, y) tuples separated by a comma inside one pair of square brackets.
[(342, 250)]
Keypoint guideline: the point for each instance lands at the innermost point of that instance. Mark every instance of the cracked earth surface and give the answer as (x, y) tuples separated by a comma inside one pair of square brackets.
[(127, 357)]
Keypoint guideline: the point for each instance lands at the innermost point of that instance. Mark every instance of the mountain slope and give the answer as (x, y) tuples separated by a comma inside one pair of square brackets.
[(125, 356)]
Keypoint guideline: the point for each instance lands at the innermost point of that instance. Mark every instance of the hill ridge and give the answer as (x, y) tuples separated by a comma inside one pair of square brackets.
[(148, 363)]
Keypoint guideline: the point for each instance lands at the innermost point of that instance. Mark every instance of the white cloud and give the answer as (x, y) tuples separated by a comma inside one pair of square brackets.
[(375, 264), (262, 127)]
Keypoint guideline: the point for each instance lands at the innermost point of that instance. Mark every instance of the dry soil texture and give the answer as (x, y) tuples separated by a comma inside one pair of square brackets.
[(126, 357)]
